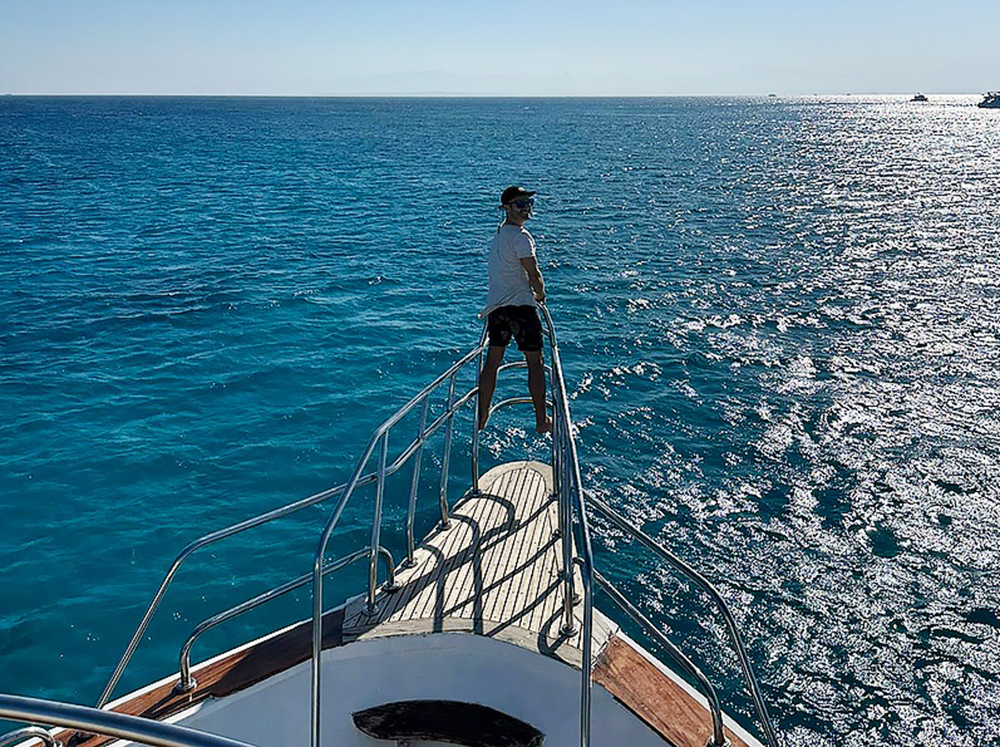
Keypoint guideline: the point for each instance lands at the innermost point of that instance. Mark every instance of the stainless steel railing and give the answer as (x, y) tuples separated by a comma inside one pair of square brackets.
[(714, 707), (29, 732), (693, 575), (187, 682), (564, 454), (266, 518), (572, 497), (569, 493), (380, 440), (359, 479), (186, 553), (106, 723), (573, 503)]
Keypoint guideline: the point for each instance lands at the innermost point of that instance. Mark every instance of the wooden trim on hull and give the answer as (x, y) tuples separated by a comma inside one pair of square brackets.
[(224, 675), (634, 681), (664, 705)]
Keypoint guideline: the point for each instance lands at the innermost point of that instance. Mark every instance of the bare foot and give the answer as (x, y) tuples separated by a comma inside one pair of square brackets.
[(544, 426)]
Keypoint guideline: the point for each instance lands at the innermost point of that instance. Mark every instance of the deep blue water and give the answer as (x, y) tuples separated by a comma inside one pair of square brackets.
[(779, 320)]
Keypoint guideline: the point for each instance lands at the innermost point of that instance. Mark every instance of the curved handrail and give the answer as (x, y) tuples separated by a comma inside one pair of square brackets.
[(184, 554), (29, 732), (259, 520), (714, 707), (566, 471), (727, 617), (187, 682), (109, 723)]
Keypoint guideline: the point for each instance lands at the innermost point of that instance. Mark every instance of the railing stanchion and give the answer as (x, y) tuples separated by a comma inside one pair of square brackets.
[(377, 523), (587, 644), (566, 530), (569, 490), (317, 611), (446, 460), (718, 738), (562, 459), (414, 484), (475, 416)]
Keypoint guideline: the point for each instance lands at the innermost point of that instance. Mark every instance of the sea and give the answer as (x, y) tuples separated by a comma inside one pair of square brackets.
[(779, 320)]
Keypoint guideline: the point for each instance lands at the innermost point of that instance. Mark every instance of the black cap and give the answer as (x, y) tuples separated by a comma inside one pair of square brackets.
[(512, 193)]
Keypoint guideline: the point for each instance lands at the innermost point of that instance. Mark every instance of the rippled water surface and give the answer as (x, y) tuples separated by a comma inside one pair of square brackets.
[(779, 319)]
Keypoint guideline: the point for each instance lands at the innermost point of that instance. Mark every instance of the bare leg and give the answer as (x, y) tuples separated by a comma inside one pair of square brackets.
[(488, 382), (536, 388)]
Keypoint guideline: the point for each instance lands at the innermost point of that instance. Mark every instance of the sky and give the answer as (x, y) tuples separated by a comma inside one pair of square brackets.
[(513, 48)]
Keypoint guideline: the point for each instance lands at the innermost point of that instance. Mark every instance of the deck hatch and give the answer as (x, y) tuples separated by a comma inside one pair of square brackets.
[(468, 724)]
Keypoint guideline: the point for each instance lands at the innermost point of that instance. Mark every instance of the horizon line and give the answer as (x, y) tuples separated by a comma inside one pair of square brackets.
[(469, 95)]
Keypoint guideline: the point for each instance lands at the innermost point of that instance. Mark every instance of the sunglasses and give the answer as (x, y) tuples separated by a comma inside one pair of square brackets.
[(523, 203)]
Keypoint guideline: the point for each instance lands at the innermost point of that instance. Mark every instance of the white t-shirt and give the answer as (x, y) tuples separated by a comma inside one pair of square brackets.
[(508, 278)]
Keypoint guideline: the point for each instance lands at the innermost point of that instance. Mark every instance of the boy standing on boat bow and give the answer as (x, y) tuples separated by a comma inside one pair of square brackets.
[(516, 288)]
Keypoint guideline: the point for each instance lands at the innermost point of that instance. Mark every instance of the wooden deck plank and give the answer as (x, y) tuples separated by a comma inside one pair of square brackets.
[(492, 514), (490, 567), (507, 576), (508, 593), (498, 558), (541, 576), (534, 552), (424, 599), (536, 581), (469, 599), (527, 592), (461, 571), (544, 537), (445, 549), (503, 606), (475, 514)]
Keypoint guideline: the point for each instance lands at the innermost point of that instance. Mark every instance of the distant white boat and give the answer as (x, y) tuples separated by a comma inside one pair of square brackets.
[(990, 100), (919, 97)]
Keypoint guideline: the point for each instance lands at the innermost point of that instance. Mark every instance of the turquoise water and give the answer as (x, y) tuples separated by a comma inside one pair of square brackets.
[(778, 319)]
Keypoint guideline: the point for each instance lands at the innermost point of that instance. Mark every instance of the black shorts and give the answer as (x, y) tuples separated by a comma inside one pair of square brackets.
[(520, 321)]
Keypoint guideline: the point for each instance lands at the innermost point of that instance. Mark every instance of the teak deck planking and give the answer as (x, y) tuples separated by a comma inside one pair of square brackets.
[(494, 571), (495, 568)]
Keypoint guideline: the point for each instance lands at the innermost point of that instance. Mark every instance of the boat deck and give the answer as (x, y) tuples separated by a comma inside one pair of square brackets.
[(494, 571)]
